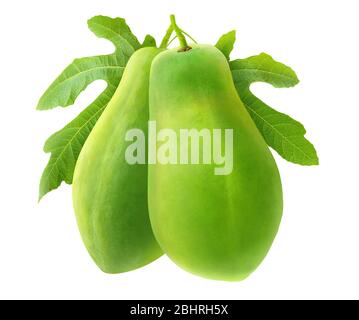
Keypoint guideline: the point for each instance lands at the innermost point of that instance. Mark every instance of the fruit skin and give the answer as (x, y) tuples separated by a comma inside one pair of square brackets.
[(109, 195), (216, 226)]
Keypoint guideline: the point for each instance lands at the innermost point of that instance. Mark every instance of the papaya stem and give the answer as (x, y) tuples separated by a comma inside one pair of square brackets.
[(164, 44), (181, 38)]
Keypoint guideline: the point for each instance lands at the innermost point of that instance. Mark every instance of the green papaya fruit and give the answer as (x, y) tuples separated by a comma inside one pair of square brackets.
[(216, 226), (110, 195)]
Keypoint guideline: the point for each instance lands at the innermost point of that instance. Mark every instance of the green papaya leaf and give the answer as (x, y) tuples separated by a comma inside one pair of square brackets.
[(226, 43), (77, 76), (117, 31), (281, 132), (149, 42), (82, 72), (65, 145)]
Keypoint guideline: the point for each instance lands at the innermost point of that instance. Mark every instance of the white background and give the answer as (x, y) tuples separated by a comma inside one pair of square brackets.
[(316, 253)]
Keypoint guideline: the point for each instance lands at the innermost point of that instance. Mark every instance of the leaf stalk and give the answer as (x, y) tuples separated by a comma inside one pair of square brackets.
[(165, 41)]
